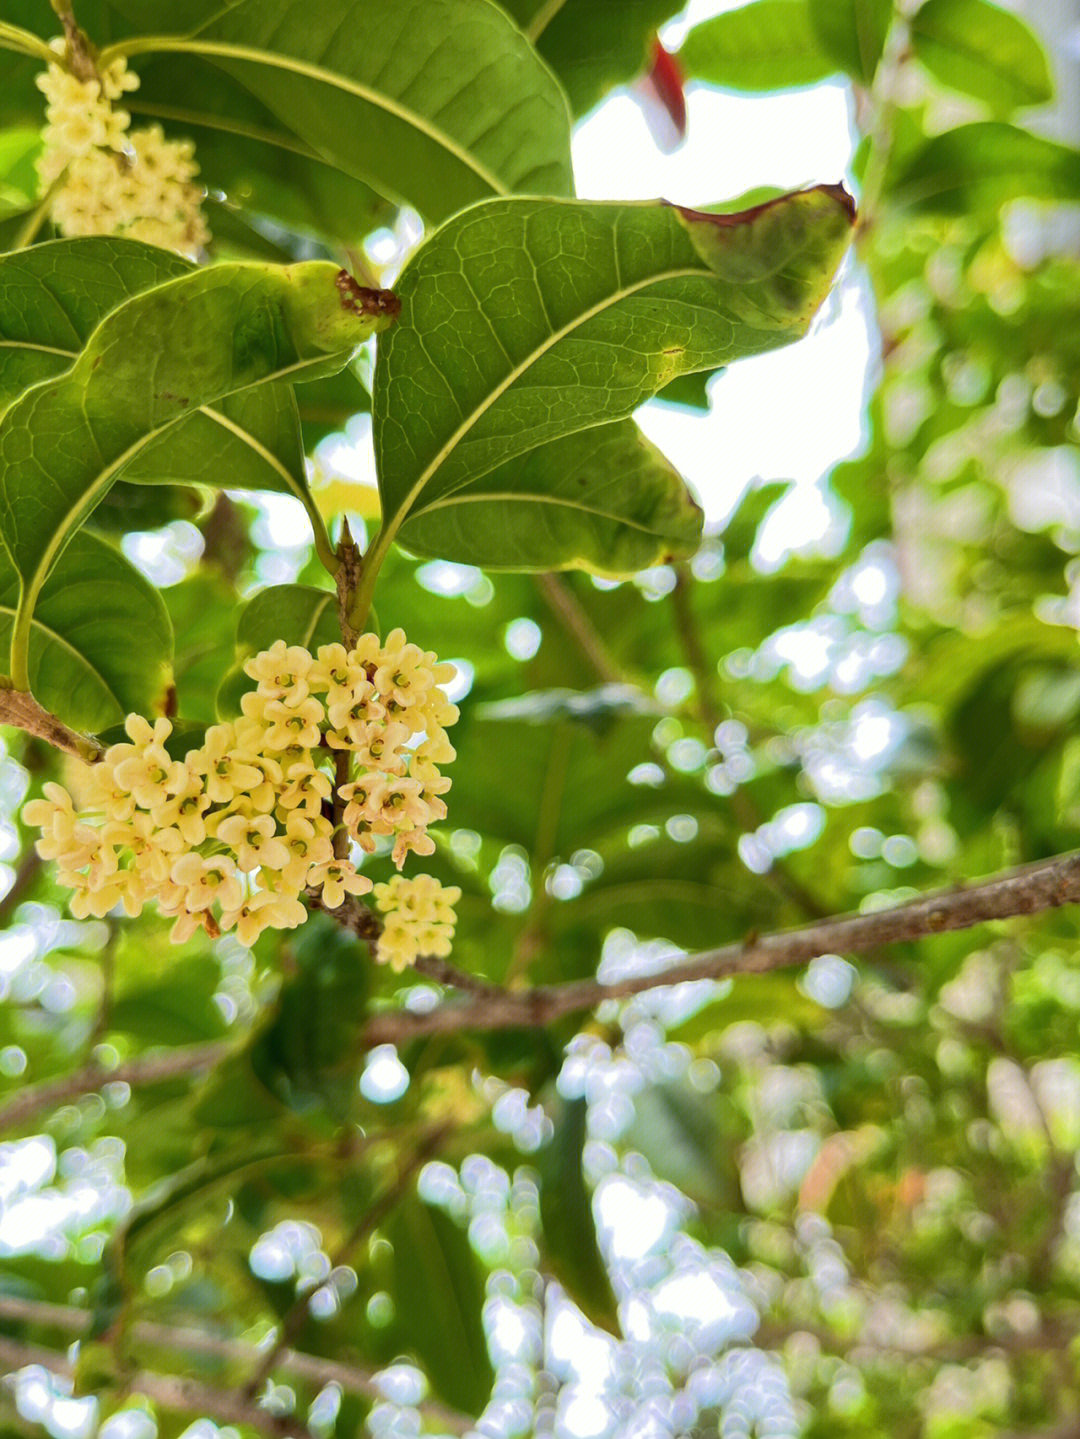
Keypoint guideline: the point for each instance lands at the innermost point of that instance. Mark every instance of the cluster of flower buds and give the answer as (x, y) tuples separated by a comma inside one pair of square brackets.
[(102, 177), (331, 750)]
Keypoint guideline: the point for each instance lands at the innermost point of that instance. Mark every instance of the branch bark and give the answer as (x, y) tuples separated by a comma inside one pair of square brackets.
[(352, 1378), (1044, 885), (1047, 884), (171, 1391), (21, 709), (146, 1069)]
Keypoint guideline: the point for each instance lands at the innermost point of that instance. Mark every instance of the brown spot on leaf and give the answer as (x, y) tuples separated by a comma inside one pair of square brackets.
[(170, 702), (362, 300)]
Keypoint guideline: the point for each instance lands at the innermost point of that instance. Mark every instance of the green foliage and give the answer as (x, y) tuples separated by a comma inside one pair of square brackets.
[(981, 50), (672, 738), (649, 292), (767, 45), (570, 1246)]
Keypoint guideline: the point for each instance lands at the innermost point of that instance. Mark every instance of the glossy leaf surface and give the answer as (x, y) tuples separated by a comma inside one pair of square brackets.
[(517, 301), (436, 103), (147, 365), (101, 641)]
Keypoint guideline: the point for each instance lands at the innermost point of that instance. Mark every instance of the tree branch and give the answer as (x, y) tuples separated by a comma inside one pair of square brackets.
[(171, 1391), (1044, 885), (145, 1069), (21, 709), (364, 1227), (352, 1378), (745, 811), (564, 605)]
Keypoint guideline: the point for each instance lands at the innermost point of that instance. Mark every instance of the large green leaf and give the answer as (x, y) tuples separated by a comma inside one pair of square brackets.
[(589, 47), (982, 50), (100, 642), (566, 1219), (524, 321), (768, 45), (982, 165), (604, 500), (146, 367), (51, 299), (438, 1293), (436, 103), (852, 32)]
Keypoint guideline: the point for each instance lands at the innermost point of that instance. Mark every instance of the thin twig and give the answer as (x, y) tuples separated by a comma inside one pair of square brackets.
[(567, 609), (352, 1378), (744, 810), (1044, 885), (171, 1391), (145, 1069), (364, 1227)]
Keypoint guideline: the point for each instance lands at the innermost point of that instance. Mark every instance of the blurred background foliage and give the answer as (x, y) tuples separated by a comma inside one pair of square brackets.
[(841, 1202)]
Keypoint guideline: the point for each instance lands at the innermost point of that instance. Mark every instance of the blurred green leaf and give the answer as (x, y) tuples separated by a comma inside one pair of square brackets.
[(438, 1295), (852, 33), (766, 45), (570, 1247), (980, 49)]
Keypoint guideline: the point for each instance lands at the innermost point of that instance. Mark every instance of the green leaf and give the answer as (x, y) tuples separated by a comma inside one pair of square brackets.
[(982, 50), (852, 32), (590, 49), (436, 103), (602, 305), (679, 1133), (148, 364), (604, 500), (175, 1008), (981, 166), (438, 1294), (54, 295), (19, 149), (297, 614), (566, 1218), (100, 643), (768, 45)]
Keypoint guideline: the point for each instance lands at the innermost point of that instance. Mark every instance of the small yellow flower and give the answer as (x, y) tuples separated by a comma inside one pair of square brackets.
[(253, 839), (336, 878), (204, 880)]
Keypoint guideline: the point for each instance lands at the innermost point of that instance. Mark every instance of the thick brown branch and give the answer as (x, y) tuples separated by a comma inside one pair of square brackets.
[(1041, 886), (146, 1069)]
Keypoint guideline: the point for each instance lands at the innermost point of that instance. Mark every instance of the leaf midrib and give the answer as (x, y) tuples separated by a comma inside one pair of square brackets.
[(36, 623), (32, 585), (214, 414), (528, 497), (164, 44), (511, 378)]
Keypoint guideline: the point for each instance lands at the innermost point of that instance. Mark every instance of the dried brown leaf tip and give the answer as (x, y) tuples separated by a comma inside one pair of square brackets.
[(362, 300)]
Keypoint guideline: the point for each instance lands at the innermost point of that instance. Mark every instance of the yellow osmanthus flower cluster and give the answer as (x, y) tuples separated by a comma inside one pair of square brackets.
[(231, 836), (108, 178)]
